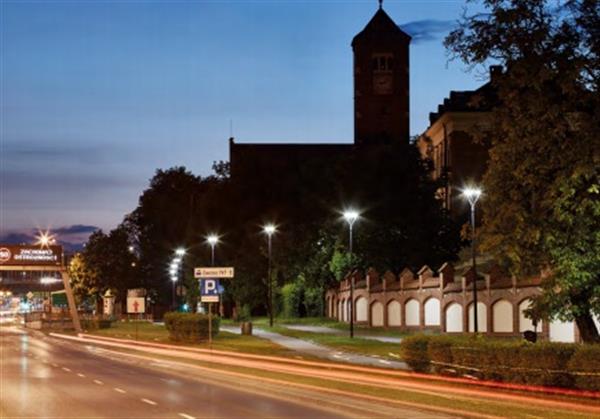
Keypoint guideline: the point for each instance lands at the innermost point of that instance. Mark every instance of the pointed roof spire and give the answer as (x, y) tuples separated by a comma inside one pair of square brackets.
[(381, 25)]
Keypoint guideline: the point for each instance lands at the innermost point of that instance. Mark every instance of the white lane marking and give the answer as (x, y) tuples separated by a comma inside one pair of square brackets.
[(120, 390), (66, 369), (98, 382), (183, 415), (55, 365), (385, 362), (80, 375), (153, 403)]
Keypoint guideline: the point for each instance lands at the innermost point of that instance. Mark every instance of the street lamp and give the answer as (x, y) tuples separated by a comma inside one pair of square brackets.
[(45, 239), (351, 216), (472, 195), (212, 240), (269, 230), (174, 268)]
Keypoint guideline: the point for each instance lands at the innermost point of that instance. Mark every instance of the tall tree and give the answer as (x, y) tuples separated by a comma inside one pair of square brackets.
[(542, 202)]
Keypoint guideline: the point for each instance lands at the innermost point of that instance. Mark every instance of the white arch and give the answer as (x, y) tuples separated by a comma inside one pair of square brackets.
[(502, 316), (377, 314), (361, 309), (394, 313), (454, 318), (432, 312), (411, 312), (524, 322), (481, 317), (562, 331)]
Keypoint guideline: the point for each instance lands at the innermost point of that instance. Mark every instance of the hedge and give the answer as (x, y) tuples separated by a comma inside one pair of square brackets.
[(190, 327), (517, 361), (585, 367)]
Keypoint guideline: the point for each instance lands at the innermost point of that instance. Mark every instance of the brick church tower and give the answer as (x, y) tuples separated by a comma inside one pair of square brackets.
[(381, 82)]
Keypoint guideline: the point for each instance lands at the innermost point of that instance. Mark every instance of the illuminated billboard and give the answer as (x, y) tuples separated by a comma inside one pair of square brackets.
[(17, 255)]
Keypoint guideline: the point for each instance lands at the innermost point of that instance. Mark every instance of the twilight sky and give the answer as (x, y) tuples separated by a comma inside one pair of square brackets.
[(95, 95)]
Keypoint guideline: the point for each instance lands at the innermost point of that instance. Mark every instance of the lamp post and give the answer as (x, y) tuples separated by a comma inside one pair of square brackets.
[(269, 230), (472, 195), (351, 216), (212, 240)]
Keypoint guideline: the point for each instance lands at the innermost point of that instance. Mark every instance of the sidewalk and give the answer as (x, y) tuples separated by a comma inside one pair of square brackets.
[(320, 351)]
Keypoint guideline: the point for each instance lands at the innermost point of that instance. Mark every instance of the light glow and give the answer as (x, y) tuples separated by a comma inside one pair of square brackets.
[(351, 215), (472, 194), (180, 251), (269, 229), (45, 239), (212, 239)]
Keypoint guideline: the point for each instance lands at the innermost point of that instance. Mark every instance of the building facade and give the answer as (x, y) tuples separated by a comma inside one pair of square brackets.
[(442, 301)]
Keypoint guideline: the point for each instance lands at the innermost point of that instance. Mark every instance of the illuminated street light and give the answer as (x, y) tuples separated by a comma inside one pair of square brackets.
[(49, 280), (351, 216), (45, 239), (472, 195), (269, 230), (180, 251), (212, 240)]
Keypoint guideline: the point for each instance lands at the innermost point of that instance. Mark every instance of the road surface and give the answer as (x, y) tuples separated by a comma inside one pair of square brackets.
[(46, 377)]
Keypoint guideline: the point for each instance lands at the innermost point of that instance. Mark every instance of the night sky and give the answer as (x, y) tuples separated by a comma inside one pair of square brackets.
[(96, 95)]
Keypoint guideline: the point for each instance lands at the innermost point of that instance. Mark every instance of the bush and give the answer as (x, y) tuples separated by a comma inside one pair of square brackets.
[(414, 352), (585, 367), (190, 327), (439, 351), (292, 296), (545, 363)]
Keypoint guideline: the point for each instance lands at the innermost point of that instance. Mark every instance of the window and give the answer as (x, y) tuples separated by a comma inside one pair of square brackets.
[(383, 63)]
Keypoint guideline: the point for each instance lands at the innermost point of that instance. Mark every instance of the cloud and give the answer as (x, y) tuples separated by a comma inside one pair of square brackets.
[(428, 29), (17, 238), (75, 229), (72, 237)]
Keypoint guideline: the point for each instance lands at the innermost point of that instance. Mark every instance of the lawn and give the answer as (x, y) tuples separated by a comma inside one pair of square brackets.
[(224, 341), (344, 343)]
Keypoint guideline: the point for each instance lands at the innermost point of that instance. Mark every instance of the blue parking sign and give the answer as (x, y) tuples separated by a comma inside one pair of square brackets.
[(210, 289)]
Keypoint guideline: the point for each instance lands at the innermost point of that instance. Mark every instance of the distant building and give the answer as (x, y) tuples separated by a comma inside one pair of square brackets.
[(381, 104), (457, 159)]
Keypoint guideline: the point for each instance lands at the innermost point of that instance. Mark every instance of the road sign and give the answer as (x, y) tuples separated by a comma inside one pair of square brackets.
[(29, 295), (210, 290), (136, 305), (208, 273)]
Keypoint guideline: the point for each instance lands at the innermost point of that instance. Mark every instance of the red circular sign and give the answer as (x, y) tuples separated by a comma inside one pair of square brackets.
[(4, 255)]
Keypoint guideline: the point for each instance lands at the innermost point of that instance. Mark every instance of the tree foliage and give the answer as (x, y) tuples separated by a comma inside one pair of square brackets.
[(542, 202)]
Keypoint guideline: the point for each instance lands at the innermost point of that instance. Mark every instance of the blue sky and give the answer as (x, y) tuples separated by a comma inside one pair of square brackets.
[(96, 95)]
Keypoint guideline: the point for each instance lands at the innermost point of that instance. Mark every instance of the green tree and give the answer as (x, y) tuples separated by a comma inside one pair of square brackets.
[(109, 264), (82, 280), (542, 193)]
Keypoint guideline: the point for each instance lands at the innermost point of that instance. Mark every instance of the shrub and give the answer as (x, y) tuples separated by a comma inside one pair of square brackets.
[(544, 363), (189, 327), (439, 351), (93, 324), (585, 367), (292, 296), (414, 352)]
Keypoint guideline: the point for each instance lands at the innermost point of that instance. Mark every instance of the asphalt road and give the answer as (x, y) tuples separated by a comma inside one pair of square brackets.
[(40, 378)]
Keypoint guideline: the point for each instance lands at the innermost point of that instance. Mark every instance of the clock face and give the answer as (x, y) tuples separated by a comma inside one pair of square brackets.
[(383, 84)]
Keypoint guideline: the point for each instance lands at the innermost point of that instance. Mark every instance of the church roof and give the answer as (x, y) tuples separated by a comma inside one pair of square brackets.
[(381, 25)]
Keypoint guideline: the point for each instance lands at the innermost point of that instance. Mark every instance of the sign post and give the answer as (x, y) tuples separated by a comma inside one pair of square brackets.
[(210, 289), (136, 305)]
